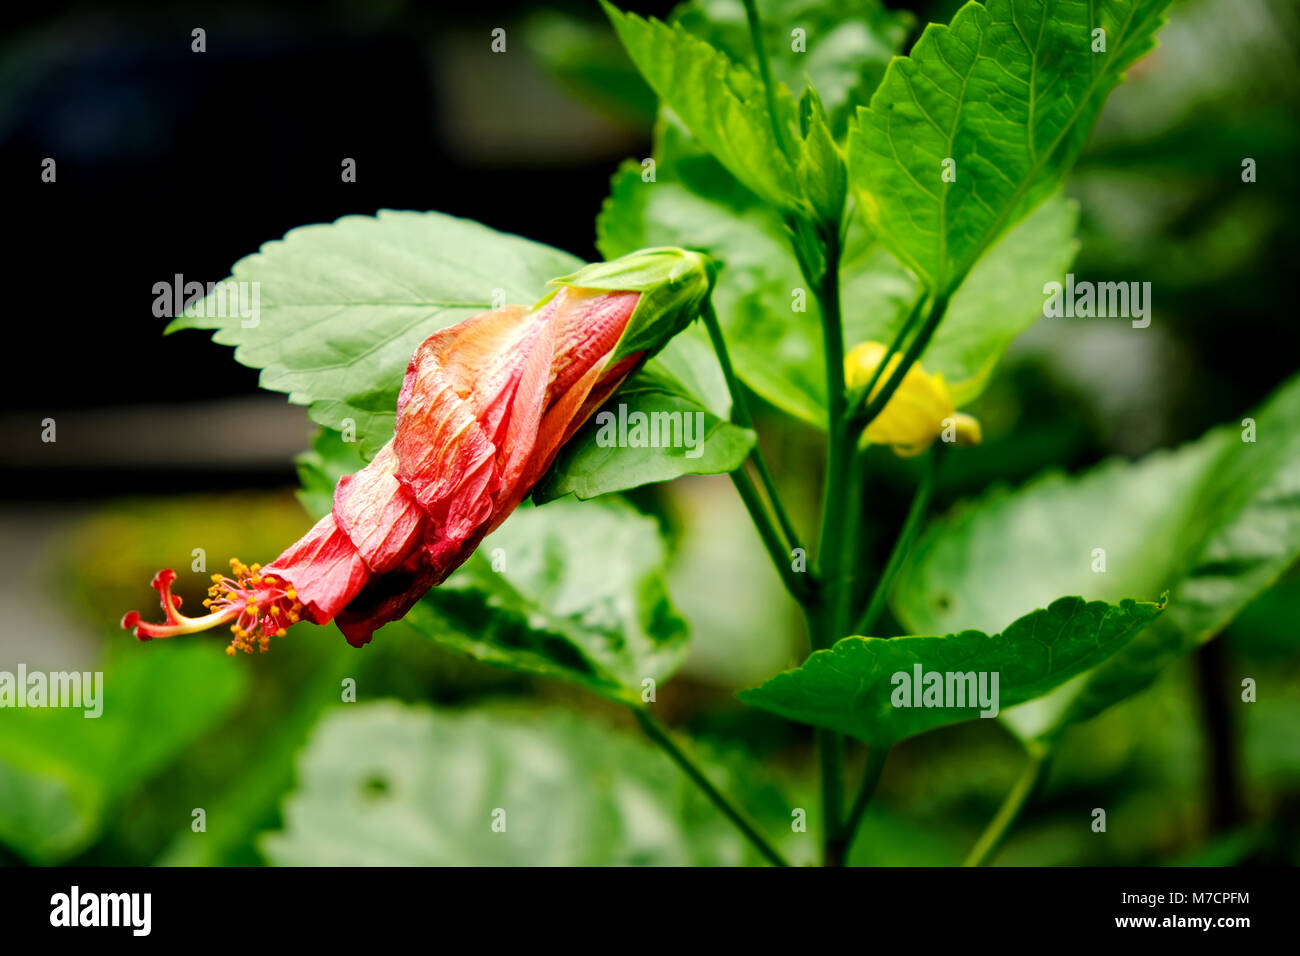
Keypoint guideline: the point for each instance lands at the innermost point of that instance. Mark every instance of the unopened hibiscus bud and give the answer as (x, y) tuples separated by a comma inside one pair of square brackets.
[(483, 410), (672, 282), (916, 413)]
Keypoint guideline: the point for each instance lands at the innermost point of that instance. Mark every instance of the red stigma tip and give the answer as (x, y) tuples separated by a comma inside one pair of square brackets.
[(254, 609)]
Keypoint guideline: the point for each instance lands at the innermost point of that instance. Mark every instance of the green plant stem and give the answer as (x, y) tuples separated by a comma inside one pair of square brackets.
[(659, 734), (829, 619), (765, 73), (991, 839), (895, 346), (827, 608), (860, 419), (876, 758), (795, 583), (839, 458), (741, 416), (902, 545), (769, 487), (830, 753)]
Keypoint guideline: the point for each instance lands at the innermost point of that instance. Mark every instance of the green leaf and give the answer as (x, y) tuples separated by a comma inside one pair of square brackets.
[(721, 102), (393, 785), (573, 591), (1000, 299), (847, 44), (62, 773), (1009, 93), (853, 687), (343, 306), (821, 166), (1215, 523), (777, 350), (577, 593), (250, 797)]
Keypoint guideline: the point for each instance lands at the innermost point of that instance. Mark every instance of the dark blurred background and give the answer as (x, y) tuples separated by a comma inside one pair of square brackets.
[(169, 162)]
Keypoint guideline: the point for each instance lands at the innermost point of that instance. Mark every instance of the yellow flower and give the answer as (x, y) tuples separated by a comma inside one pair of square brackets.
[(918, 412)]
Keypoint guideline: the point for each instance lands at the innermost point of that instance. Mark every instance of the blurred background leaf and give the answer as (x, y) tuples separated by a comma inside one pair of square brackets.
[(1214, 523), (63, 772), (385, 785)]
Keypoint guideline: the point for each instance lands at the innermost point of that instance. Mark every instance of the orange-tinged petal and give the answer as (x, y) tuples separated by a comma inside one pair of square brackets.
[(443, 455), (519, 438), (379, 514), (590, 325)]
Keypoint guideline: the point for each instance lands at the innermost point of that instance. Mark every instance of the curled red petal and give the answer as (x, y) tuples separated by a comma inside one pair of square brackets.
[(484, 407)]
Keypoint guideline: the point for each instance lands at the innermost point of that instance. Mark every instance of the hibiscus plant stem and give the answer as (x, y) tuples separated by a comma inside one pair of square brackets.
[(827, 606), (741, 416), (876, 758), (1026, 787), (895, 346), (660, 735), (860, 419), (829, 619), (776, 549), (769, 486)]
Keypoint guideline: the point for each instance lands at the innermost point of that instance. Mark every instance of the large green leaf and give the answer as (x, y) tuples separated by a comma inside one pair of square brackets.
[(846, 44), (851, 688), (1215, 523), (1008, 92), (777, 350), (580, 597), (343, 305), (1001, 298), (249, 795), (62, 773), (387, 784), (720, 102)]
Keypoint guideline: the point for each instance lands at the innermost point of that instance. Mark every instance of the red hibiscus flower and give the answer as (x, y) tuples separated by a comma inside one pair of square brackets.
[(483, 410)]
